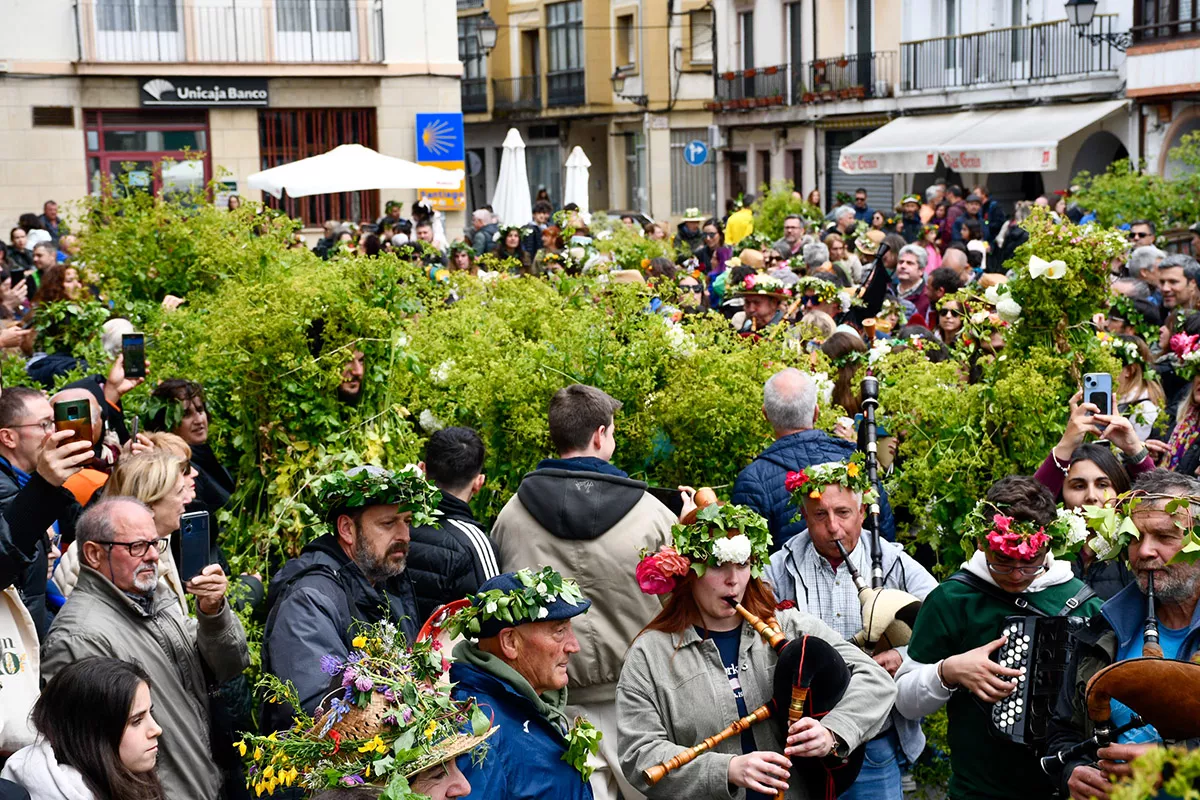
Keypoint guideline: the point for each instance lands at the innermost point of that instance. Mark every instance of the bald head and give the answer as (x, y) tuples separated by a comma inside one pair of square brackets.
[(790, 402), (956, 260)]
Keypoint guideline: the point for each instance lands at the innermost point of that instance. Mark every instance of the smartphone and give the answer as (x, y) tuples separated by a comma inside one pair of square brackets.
[(74, 415), (133, 429), (1097, 390), (668, 497), (133, 347), (193, 544)]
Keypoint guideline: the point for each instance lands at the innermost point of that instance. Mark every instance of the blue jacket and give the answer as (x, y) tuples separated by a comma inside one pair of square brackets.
[(760, 485), (524, 759)]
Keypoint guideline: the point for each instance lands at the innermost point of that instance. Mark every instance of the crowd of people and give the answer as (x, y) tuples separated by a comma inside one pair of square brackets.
[(596, 630)]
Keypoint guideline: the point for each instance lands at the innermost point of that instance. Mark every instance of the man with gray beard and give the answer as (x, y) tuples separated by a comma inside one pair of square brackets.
[(354, 573), (120, 610), (1164, 524)]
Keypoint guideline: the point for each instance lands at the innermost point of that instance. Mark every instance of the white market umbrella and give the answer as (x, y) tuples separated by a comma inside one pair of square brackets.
[(576, 190), (351, 168), (511, 200)]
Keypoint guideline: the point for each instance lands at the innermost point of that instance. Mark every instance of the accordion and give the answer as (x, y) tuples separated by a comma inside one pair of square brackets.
[(1041, 646)]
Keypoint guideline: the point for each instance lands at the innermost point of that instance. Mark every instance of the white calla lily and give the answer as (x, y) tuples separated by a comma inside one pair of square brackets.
[(1052, 270)]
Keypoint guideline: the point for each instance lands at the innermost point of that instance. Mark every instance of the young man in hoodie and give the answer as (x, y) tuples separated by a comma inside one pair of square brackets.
[(584, 517), (809, 571), (450, 561), (961, 625)]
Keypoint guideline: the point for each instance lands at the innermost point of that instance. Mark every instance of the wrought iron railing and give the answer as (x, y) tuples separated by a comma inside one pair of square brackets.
[(249, 31), (1166, 28), (565, 88), (752, 88), (474, 95), (517, 94), (1007, 55), (856, 76)]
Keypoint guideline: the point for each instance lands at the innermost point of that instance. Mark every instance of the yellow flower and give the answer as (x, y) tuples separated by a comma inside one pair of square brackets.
[(815, 494), (259, 788), (241, 748), (852, 470), (268, 772), (258, 754), (429, 729), (367, 771), (375, 744), (381, 747), (359, 641), (289, 776), (271, 738)]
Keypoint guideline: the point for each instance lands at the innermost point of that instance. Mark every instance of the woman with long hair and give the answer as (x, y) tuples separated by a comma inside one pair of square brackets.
[(949, 321), (1139, 395), (61, 282), (552, 249), (98, 738), (698, 666), (846, 351)]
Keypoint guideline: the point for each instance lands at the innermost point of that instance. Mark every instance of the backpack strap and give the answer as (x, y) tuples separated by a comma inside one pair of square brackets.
[(1072, 605), (1020, 601)]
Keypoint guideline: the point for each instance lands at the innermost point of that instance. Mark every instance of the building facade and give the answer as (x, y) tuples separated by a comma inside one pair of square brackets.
[(550, 76), (800, 82), (95, 89)]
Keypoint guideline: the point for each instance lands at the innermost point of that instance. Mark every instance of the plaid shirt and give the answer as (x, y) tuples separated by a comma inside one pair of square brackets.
[(831, 594)]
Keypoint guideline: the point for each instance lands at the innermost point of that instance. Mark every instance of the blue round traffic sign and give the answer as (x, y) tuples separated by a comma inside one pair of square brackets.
[(695, 153)]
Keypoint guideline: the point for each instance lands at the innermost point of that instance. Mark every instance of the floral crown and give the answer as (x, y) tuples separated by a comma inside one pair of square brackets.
[(1019, 539), (823, 290), (388, 721), (1126, 351), (1113, 525), (927, 228), (461, 247), (763, 283), (503, 232), (720, 534), (1186, 348), (527, 604), (850, 474), (854, 357), (372, 486), (1122, 307)]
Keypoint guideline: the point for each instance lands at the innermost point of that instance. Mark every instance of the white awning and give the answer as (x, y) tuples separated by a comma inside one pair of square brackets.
[(1008, 140)]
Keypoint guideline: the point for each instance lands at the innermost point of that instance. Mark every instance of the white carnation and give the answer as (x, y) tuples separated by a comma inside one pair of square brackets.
[(991, 295), (429, 423), (735, 550), (1008, 309)]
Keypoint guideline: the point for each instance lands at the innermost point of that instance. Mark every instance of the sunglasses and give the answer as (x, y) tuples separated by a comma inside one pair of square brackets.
[(949, 312), (697, 289), (709, 235)]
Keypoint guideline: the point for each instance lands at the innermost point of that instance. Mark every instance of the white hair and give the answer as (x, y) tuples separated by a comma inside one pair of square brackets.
[(916, 252), (483, 215), (111, 332), (790, 400), (842, 211), (1144, 258)]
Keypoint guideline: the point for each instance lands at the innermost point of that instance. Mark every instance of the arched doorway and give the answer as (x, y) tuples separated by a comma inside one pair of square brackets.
[(1097, 152)]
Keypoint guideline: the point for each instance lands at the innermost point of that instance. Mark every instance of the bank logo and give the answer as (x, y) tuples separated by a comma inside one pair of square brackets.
[(158, 87)]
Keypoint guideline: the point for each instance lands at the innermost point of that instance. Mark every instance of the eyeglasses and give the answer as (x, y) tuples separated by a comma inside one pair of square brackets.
[(949, 312), (710, 234), (46, 425), (1004, 569), (697, 289), (138, 549)]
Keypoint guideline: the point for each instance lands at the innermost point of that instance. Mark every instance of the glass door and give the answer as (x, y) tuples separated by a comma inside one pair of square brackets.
[(138, 30)]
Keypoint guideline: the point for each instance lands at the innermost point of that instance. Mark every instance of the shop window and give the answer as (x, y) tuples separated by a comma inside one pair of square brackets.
[(147, 150), (286, 136)]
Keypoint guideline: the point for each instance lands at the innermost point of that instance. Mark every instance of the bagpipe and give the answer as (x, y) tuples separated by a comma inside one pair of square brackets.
[(810, 680), (1161, 692), (888, 614)]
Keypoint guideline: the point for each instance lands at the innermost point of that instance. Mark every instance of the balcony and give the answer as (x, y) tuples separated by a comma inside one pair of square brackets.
[(1006, 55), (565, 88), (1156, 20), (760, 87), (859, 76), (514, 95), (248, 32), (474, 96)]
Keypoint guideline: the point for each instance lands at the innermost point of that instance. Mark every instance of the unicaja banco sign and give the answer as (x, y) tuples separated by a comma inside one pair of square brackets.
[(204, 92)]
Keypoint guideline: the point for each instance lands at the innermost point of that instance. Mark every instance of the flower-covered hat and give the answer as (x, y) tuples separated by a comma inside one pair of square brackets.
[(693, 215), (369, 485), (811, 482), (1122, 308), (515, 598), (1126, 351), (716, 534), (388, 720), (825, 291), (763, 284), (1021, 540)]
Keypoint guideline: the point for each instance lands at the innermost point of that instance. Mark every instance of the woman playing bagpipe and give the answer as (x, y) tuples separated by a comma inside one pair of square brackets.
[(698, 667)]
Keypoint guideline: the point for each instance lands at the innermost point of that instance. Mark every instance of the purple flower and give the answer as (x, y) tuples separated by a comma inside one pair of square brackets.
[(339, 707), (349, 676), (330, 665), (407, 714), (389, 695), (352, 780), (355, 657), (364, 683)]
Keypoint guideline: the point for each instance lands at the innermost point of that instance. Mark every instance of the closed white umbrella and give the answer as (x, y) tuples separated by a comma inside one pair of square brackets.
[(576, 190), (351, 168), (511, 200)]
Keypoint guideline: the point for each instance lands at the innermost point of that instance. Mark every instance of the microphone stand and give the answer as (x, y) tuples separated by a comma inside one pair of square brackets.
[(870, 402)]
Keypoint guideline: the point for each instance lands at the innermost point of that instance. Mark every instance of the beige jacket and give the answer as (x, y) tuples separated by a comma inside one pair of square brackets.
[(591, 527)]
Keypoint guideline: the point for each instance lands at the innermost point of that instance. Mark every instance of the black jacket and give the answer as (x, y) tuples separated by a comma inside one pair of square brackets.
[(451, 561), (27, 513), (311, 607)]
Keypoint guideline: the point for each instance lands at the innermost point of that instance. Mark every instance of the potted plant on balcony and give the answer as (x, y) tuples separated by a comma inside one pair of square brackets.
[(843, 62), (818, 65)]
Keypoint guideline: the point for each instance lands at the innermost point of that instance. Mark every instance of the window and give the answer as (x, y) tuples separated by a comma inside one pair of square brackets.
[(626, 41), (302, 16), (137, 15), (951, 32), (285, 136), (746, 28), (474, 65), (126, 151), (700, 48), (564, 31), (764, 168)]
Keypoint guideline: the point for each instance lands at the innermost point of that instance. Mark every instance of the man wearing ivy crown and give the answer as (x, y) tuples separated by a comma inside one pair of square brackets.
[(514, 665), (352, 574), (1154, 528), (960, 626), (808, 570)]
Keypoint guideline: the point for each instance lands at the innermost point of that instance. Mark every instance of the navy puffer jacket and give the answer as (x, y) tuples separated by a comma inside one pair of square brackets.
[(760, 485)]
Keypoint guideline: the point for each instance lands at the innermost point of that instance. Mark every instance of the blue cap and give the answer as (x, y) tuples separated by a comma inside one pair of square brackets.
[(509, 582)]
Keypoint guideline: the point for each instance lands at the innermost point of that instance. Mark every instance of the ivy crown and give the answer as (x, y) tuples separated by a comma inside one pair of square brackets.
[(696, 541), (365, 486)]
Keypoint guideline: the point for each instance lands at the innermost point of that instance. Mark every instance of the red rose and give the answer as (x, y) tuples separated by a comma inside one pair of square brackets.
[(795, 480), (650, 578), (670, 562)]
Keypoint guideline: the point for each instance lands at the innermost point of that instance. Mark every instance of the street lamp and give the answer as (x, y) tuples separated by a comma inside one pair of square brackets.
[(485, 32), (1080, 14), (618, 84)]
